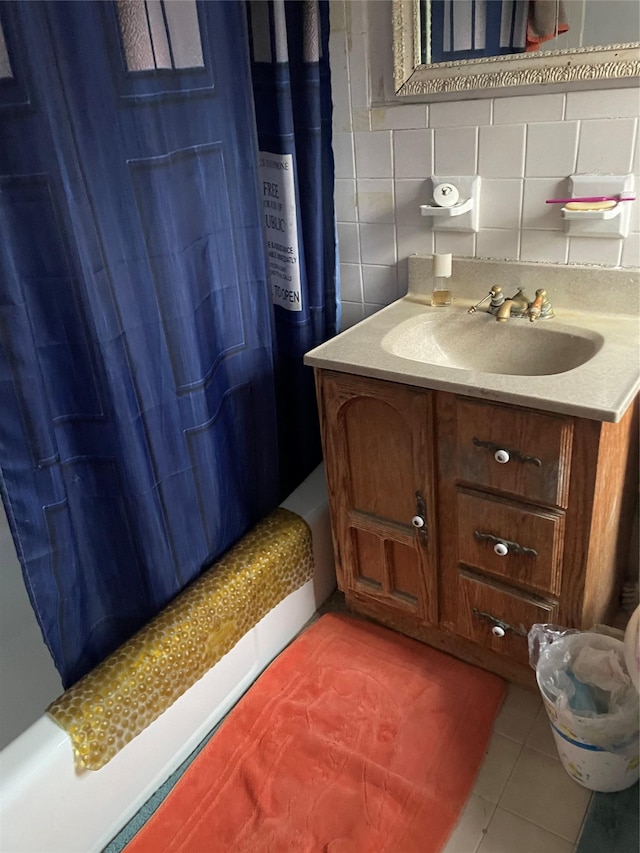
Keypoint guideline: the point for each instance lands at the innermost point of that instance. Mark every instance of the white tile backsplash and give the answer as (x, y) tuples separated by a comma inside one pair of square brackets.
[(409, 196), (361, 119), (352, 313), (631, 251), (414, 240), (607, 103), (551, 149), (345, 164), (456, 151), (373, 154), (375, 200), (358, 70), (498, 243), (528, 108), (338, 16), (501, 202), (351, 282), (380, 284), (524, 147), (606, 146), (345, 200), (606, 251), (412, 153), (462, 245), (370, 309), (536, 213), (501, 151), (340, 88), (378, 244), (408, 117), (547, 247), (349, 240), (460, 114)]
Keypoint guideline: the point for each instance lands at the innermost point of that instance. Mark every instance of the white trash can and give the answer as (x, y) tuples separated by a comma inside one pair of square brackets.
[(597, 742)]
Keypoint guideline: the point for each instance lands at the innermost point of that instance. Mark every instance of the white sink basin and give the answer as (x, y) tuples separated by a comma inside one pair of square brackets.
[(583, 362), (478, 342)]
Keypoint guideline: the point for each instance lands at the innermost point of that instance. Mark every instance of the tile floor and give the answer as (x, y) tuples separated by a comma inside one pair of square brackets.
[(523, 799)]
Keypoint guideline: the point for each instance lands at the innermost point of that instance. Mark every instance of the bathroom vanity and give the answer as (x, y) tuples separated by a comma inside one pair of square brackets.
[(468, 505)]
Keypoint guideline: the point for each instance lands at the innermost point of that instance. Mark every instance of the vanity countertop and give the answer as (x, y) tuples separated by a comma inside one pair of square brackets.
[(600, 389)]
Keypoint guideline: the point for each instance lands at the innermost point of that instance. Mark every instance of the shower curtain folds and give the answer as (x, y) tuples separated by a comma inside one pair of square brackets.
[(289, 48), (138, 403)]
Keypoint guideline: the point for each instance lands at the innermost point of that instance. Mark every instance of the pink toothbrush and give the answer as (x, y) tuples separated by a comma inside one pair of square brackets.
[(627, 195)]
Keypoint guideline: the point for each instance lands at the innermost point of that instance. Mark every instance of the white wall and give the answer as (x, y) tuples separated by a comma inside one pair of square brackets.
[(28, 677), (524, 148)]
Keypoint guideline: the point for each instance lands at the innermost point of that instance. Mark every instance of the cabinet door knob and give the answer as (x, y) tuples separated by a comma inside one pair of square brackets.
[(501, 456), (501, 549), (419, 520), (497, 631)]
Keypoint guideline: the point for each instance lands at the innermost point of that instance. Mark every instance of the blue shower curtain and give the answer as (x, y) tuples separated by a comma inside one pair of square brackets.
[(291, 84), (138, 352)]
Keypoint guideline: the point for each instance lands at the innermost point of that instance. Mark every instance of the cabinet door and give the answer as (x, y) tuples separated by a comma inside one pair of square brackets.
[(379, 458)]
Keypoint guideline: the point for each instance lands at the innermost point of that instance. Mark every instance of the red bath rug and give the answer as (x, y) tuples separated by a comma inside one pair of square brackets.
[(355, 739)]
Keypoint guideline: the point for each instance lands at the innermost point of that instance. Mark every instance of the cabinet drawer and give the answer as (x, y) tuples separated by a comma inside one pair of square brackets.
[(536, 447), (533, 540), (485, 612)]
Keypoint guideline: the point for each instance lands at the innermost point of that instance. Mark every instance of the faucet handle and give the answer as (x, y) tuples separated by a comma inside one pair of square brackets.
[(494, 294), (547, 310), (535, 308), (497, 296), (540, 307)]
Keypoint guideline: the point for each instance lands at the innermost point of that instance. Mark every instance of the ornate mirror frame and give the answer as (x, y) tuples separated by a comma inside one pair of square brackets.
[(588, 65)]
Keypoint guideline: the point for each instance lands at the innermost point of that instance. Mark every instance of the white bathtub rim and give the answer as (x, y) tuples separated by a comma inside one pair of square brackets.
[(45, 804)]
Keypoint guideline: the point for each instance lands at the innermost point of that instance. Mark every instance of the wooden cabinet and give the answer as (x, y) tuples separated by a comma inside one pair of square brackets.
[(378, 447), (462, 523)]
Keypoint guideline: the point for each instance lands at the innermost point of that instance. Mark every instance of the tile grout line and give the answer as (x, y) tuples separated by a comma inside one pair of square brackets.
[(484, 832), (543, 828)]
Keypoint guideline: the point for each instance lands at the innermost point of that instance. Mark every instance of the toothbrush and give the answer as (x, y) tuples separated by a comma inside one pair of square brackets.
[(627, 195)]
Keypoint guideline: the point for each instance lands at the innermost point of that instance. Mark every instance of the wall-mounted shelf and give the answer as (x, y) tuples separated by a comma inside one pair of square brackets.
[(444, 212), (584, 215), (610, 223)]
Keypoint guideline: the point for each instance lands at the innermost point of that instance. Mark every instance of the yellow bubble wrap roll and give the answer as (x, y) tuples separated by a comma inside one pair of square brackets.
[(131, 688)]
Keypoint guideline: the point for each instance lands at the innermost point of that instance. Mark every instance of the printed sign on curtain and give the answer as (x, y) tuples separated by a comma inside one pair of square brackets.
[(281, 229)]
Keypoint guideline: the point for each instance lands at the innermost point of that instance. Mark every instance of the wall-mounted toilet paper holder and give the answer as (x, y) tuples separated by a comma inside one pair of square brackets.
[(455, 203)]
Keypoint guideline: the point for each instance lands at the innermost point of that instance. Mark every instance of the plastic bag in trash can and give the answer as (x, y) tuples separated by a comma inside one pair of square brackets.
[(583, 679)]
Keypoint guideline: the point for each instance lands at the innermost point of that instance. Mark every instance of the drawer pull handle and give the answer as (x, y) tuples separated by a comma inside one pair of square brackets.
[(506, 453), (417, 521), (511, 547), (499, 628)]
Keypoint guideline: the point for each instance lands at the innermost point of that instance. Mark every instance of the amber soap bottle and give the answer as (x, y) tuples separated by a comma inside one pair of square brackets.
[(441, 293)]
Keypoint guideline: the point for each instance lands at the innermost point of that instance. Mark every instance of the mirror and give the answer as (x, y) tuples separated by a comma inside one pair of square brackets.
[(574, 57)]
